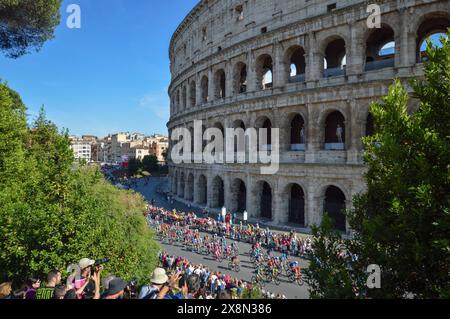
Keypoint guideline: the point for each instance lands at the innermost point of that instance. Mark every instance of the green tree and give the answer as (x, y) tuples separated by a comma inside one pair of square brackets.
[(150, 163), (402, 222), (27, 24), (54, 212), (134, 165)]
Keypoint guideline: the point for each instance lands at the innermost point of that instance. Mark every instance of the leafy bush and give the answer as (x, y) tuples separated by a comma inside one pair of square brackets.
[(54, 212)]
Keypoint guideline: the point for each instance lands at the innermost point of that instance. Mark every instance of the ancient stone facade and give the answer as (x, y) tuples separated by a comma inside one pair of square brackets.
[(309, 68)]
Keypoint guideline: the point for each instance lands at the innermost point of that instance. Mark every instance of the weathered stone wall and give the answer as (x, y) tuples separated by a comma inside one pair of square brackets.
[(216, 37)]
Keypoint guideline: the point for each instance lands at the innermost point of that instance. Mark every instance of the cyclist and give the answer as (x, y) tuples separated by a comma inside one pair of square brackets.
[(295, 268)]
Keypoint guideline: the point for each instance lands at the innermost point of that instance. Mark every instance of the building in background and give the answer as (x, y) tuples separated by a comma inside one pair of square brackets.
[(159, 148), (82, 148)]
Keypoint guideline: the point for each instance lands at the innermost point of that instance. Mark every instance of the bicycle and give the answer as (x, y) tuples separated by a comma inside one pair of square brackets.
[(234, 266)]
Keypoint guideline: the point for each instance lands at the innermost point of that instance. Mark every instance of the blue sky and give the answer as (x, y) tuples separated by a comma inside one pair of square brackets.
[(111, 75)]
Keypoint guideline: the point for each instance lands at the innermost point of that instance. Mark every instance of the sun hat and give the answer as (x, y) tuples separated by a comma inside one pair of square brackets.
[(115, 286), (85, 262), (159, 276)]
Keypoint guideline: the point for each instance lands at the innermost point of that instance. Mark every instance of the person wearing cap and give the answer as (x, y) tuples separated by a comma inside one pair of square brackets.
[(115, 290), (81, 283), (157, 280)]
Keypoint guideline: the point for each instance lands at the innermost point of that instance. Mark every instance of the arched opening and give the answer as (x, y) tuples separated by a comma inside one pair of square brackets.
[(335, 207), (218, 192), (266, 201), (297, 64), (239, 195), (220, 84), (182, 186), (370, 127), (380, 49), (431, 29), (202, 186), (264, 71), (193, 94), (335, 59), (190, 187), (335, 131), (205, 88), (175, 184), (191, 132), (298, 137), (240, 78), (297, 205), (265, 141), (184, 98), (239, 147)]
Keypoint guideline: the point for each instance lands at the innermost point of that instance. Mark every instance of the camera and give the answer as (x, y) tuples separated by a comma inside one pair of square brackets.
[(98, 263), (131, 291)]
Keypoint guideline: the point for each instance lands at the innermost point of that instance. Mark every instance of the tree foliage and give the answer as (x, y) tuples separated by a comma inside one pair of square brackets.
[(401, 222), (53, 212), (26, 24)]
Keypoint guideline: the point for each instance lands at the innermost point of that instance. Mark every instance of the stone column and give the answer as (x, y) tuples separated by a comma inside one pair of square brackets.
[(279, 78), (312, 135), (227, 192), (313, 61), (251, 72), (211, 86), (310, 205), (355, 53), (196, 189), (352, 135), (188, 95), (198, 90), (252, 198), (229, 79), (407, 45)]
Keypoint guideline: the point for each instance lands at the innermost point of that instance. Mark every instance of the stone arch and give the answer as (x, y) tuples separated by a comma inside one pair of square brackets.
[(182, 185), (264, 71), (202, 190), (204, 86), (295, 63), (193, 94), (218, 193), (240, 78), (335, 55), (296, 204), (430, 24), (264, 199), (220, 84), (334, 205), (264, 122), (236, 125), (381, 48), (184, 97), (190, 187), (175, 183), (296, 127), (326, 133), (370, 125), (239, 195)]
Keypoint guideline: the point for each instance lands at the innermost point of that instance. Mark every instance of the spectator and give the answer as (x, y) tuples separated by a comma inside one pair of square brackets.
[(5, 290), (116, 289), (224, 294), (80, 284), (157, 280), (60, 292), (53, 279), (32, 285)]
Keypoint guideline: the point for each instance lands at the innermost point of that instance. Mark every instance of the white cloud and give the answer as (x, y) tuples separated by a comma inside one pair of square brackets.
[(157, 103)]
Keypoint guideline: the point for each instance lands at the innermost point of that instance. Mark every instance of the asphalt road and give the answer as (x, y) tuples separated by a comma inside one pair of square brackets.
[(290, 290)]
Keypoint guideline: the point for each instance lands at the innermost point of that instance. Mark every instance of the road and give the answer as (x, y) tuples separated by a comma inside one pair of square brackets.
[(290, 290)]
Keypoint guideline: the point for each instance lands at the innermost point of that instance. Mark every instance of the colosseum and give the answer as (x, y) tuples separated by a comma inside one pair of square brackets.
[(311, 69)]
